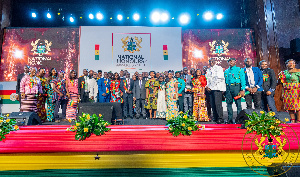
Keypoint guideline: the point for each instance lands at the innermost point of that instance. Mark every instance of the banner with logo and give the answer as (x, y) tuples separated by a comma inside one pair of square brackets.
[(200, 45), (38, 47), (129, 48)]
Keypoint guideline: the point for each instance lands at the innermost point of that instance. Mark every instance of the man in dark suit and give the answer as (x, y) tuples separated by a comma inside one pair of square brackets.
[(83, 88), (269, 86), (188, 95), (139, 95), (19, 78), (104, 88), (254, 81), (126, 87)]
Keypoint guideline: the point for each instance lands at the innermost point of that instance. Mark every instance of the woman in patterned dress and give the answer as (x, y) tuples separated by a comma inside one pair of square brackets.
[(161, 99), (116, 93), (41, 99), (50, 92), (151, 95), (291, 89), (30, 87), (199, 108), (171, 96), (72, 93)]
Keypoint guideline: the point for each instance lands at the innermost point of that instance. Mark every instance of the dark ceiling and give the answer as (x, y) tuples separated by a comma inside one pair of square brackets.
[(110, 8)]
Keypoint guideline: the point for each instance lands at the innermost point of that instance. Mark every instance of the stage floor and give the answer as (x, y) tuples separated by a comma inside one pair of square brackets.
[(141, 121)]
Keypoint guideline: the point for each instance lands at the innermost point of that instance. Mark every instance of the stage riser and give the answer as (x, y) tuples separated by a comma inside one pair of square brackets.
[(129, 159)]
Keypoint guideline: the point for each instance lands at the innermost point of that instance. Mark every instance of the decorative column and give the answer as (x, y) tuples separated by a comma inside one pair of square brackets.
[(5, 18), (262, 19)]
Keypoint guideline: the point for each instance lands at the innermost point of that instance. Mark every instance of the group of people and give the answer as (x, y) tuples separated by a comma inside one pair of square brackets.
[(154, 95)]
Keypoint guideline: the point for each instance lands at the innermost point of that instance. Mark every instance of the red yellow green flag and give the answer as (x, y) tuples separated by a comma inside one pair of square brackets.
[(165, 52), (97, 48)]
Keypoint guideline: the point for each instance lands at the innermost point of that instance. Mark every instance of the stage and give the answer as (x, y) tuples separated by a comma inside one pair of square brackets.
[(137, 149)]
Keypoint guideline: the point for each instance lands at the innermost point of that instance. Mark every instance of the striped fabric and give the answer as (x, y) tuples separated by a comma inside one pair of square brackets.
[(29, 104), (72, 106)]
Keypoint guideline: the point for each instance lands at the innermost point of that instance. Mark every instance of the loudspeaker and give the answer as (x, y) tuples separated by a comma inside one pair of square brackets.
[(284, 170), (295, 45), (108, 110), (25, 118), (241, 117)]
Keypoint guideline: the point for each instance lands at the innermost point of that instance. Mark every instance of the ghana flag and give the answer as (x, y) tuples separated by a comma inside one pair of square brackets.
[(8, 97), (97, 48), (165, 52)]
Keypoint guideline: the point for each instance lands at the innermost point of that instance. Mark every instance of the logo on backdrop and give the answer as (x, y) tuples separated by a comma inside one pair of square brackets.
[(219, 48), (131, 44), (40, 48), (131, 50)]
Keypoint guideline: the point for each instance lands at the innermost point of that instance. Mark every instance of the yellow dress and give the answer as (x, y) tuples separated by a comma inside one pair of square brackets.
[(172, 109)]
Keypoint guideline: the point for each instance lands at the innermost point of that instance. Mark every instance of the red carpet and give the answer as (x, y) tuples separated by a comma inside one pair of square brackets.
[(53, 138)]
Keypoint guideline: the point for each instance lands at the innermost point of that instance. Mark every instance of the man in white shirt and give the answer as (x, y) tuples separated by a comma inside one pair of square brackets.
[(93, 87), (216, 86), (254, 81)]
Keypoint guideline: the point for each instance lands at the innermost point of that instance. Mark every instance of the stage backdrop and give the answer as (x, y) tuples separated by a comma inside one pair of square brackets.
[(40, 47), (112, 48), (199, 45)]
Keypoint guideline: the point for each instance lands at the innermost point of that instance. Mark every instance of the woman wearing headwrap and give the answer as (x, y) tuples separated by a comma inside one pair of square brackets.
[(41, 99), (72, 93), (30, 88), (290, 79), (199, 108), (171, 96), (161, 99), (151, 95)]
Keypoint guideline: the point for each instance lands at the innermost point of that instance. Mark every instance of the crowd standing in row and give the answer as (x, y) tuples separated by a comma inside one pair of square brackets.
[(161, 95)]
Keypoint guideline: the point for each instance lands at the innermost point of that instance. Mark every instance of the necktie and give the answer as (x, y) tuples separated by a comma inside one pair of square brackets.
[(128, 84), (140, 84)]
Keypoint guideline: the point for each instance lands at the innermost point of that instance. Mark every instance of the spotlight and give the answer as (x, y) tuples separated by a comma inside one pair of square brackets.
[(208, 15), (119, 17), (198, 53), (18, 54), (71, 19), (219, 16), (99, 16), (184, 19), (91, 16), (155, 17), (136, 17), (33, 15), (48, 15), (164, 17)]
